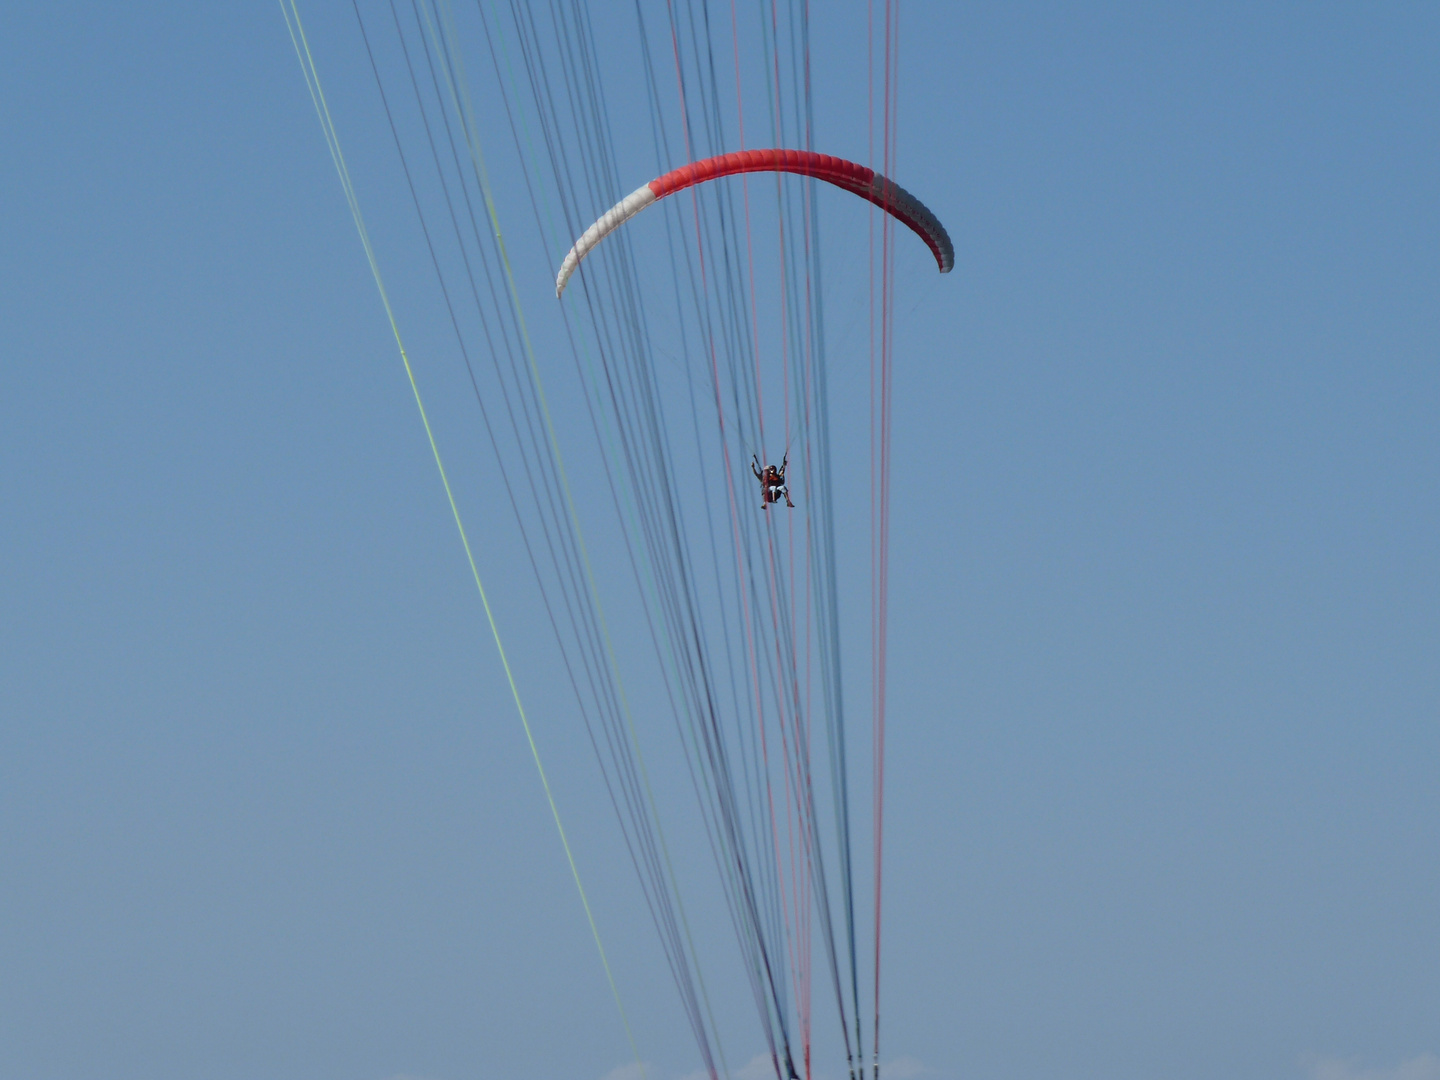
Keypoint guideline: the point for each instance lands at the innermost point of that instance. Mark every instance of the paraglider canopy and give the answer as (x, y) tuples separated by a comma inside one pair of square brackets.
[(856, 179)]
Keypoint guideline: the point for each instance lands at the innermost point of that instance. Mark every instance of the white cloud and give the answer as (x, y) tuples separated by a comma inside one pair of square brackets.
[(631, 1070), (759, 1067), (1424, 1067), (904, 1068)]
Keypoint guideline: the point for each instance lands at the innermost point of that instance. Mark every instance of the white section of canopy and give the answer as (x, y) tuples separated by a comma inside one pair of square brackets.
[(612, 219)]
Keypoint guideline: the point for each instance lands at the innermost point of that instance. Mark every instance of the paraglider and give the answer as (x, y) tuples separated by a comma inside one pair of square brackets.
[(847, 175), (735, 658), (772, 482)]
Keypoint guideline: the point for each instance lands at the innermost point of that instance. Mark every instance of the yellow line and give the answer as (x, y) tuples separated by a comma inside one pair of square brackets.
[(464, 108), (312, 82)]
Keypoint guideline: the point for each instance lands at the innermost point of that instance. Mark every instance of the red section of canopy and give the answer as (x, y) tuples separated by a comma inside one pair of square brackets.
[(856, 179), (837, 171)]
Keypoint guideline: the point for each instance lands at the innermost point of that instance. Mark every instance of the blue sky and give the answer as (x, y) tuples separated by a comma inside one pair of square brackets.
[(1166, 607)]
